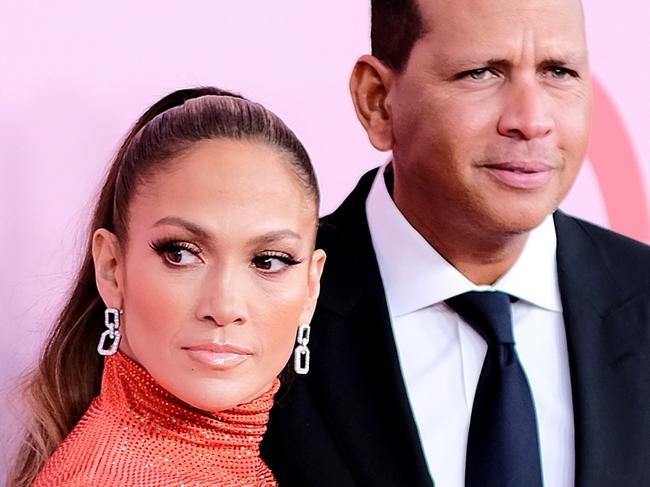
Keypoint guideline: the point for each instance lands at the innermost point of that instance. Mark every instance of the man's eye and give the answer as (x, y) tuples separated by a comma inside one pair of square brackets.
[(562, 73), (480, 74), (273, 262)]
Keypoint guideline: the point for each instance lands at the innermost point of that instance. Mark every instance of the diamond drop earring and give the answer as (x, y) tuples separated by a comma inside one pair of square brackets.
[(301, 353), (112, 322)]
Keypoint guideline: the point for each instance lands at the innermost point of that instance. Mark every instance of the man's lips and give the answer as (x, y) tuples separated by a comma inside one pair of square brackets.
[(220, 356), (521, 174)]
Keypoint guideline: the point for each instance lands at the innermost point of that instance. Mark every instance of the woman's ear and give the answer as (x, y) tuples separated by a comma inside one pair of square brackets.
[(107, 256), (313, 284), (370, 84)]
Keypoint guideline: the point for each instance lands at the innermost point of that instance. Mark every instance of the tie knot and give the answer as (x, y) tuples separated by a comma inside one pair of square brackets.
[(487, 312)]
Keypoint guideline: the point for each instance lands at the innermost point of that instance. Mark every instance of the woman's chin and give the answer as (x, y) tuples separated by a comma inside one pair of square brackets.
[(221, 394)]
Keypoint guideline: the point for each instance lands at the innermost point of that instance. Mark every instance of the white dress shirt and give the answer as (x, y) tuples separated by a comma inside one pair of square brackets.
[(441, 356)]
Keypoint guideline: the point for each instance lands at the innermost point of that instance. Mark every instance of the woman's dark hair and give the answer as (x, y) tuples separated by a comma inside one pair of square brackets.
[(67, 377)]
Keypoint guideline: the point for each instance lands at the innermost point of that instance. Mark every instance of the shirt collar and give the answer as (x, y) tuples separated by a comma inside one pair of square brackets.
[(415, 276)]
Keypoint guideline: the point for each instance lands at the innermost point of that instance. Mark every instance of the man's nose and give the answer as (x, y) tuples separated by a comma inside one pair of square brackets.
[(526, 111), (222, 298)]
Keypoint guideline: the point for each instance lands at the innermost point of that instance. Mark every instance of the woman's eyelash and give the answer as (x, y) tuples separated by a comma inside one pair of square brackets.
[(170, 245), (171, 250), (286, 259)]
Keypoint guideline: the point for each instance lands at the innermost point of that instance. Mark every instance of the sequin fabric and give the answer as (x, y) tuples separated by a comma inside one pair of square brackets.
[(137, 434)]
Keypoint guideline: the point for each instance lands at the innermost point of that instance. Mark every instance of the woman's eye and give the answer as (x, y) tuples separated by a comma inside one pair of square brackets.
[(181, 257), (273, 263), (178, 253)]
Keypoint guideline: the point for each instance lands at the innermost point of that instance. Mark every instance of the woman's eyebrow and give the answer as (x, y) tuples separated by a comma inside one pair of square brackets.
[(187, 225), (200, 232), (274, 236)]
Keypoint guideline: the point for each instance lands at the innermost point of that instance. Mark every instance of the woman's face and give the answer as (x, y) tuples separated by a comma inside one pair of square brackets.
[(218, 272)]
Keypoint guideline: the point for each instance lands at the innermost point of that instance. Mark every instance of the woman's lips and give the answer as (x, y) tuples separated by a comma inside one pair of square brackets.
[(218, 356), (521, 175)]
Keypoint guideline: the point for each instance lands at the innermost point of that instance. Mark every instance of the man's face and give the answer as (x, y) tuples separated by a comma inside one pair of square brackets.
[(490, 117)]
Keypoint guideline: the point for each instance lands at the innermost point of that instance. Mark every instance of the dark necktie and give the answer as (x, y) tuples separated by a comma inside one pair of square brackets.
[(502, 447)]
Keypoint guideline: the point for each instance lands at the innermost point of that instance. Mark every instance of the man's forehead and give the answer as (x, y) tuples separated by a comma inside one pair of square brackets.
[(553, 28), (449, 11)]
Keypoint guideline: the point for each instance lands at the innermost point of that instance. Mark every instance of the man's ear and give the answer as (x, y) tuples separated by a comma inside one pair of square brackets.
[(107, 256), (313, 284), (370, 84)]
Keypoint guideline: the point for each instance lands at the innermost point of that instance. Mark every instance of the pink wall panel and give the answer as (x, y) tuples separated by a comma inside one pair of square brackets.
[(76, 74)]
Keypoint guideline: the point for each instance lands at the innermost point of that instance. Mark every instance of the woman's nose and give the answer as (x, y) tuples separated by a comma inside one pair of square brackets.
[(221, 299)]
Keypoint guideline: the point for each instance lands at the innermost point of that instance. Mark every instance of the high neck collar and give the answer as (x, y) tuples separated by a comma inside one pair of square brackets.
[(129, 389)]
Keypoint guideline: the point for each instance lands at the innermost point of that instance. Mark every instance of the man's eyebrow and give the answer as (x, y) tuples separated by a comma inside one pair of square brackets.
[(571, 60), (476, 62), (187, 225), (274, 236)]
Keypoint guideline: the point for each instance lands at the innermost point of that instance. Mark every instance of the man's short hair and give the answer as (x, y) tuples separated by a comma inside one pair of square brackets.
[(395, 26)]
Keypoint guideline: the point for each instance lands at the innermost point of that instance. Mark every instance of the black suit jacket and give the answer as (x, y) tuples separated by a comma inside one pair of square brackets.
[(349, 422)]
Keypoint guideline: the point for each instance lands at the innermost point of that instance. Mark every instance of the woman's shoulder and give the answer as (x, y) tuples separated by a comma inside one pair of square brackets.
[(85, 457)]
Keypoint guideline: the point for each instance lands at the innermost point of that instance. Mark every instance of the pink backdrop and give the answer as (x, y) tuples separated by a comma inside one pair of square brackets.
[(76, 74)]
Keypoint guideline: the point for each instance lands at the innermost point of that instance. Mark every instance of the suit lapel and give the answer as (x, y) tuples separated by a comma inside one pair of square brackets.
[(357, 380), (605, 331)]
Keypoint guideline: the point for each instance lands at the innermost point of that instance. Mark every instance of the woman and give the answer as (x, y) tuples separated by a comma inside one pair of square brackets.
[(199, 277)]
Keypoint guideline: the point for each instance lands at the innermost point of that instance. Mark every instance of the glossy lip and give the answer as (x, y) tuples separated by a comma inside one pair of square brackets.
[(521, 174), (218, 356)]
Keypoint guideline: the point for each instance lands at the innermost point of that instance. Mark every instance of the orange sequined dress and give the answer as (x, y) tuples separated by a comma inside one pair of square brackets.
[(137, 434)]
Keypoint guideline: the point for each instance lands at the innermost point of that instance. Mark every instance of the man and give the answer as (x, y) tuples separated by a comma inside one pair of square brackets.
[(485, 105)]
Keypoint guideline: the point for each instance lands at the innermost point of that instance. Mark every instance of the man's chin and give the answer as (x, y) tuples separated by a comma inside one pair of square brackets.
[(515, 221)]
